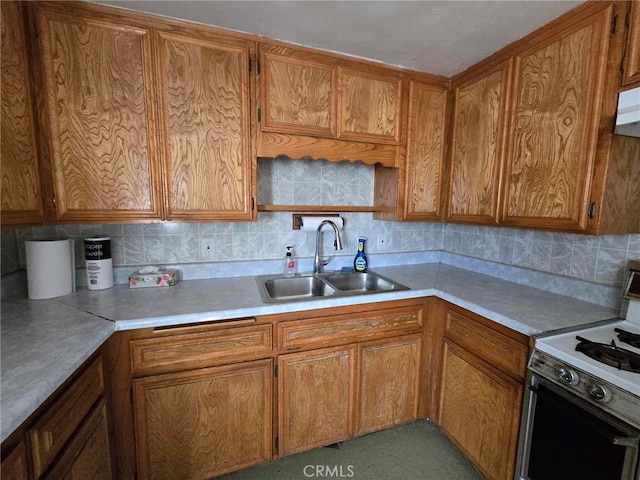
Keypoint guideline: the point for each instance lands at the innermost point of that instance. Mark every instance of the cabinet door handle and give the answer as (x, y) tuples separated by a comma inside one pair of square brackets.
[(592, 210)]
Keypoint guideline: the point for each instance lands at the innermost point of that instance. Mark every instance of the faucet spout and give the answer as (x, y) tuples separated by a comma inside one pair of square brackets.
[(318, 264)]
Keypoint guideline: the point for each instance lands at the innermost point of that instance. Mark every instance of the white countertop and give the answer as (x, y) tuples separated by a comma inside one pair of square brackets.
[(44, 341)]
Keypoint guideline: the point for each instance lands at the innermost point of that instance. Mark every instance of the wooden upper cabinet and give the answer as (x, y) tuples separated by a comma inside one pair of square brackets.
[(477, 146), (203, 85), (21, 192), (369, 107), (299, 96), (97, 81), (324, 106), (425, 151), (558, 87), (631, 75)]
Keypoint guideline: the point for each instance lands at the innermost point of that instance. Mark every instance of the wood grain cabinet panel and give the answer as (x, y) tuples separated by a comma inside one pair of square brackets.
[(88, 455), (14, 465), (369, 107), (205, 108), (316, 398), (477, 146), (389, 382), (425, 151), (201, 349), (299, 96), (631, 73), (100, 110), (557, 87), (478, 386), (315, 332), (327, 107), (203, 423), (480, 411), (51, 432), (504, 353), (21, 191)]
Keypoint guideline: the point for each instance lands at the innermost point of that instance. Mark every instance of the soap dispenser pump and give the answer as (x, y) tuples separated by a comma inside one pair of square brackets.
[(290, 264)]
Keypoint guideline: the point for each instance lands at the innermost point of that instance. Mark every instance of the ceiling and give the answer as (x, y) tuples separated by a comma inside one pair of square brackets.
[(440, 37)]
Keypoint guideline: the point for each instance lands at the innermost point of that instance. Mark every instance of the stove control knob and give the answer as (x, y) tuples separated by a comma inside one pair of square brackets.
[(598, 392), (568, 376)]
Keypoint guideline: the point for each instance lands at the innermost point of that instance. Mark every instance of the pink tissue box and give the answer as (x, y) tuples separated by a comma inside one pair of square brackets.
[(161, 278)]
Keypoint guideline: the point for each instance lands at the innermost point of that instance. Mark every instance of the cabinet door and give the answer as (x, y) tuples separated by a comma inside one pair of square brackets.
[(97, 74), (479, 128), (558, 87), (389, 382), (369, 108), (425, 151), (204, 89), (87, 457), (480, 411), (21, 193), (14, 466), (298, 96), (203, 423), (316, 398), (631, 73)]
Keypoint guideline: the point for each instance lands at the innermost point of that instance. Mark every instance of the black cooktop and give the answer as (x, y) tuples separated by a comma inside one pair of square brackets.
[(611, 354)]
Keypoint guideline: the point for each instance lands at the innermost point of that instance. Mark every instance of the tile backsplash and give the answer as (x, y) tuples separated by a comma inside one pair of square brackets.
[(311, 182)]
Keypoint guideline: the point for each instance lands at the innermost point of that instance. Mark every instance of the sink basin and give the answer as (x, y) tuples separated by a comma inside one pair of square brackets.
[(276, 288), (287, 289), (362, 282)]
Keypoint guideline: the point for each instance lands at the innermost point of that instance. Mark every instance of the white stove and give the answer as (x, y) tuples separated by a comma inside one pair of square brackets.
[(572, 361), (563, 347), (581, 417)]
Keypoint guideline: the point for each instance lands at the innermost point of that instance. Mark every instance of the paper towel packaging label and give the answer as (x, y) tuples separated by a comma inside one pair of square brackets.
[(97, 254), (97, 248)]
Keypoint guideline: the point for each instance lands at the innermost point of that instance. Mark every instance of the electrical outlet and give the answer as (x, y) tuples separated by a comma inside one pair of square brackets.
[(382, 243), (206, 248)]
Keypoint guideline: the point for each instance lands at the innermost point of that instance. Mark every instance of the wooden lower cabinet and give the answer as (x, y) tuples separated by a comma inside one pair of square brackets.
[(203, 423), (389, 382), (481, 385), (14, 465), (316, 398), (68, 437), (88, 457), (478, 411), (356, 370)]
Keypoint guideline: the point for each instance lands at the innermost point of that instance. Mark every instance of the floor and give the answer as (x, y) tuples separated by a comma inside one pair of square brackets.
[(416, 451)]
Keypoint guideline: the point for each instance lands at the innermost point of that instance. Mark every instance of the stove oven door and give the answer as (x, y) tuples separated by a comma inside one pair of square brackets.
[(564, 437)]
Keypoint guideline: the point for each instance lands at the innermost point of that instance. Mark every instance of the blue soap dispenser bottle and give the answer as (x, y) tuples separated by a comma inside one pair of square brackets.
[(360, 260)]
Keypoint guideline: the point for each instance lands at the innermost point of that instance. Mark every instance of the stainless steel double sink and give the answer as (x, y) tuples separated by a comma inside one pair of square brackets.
[(279, 289)]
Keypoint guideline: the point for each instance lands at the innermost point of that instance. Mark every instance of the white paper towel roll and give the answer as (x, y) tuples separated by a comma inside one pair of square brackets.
[(50, 268), (310, 224)]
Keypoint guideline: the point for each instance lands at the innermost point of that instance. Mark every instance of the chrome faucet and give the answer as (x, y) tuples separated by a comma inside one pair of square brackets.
[(318, 265)]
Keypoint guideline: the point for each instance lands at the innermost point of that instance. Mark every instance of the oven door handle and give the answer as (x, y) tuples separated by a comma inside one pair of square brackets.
[(628, 442)]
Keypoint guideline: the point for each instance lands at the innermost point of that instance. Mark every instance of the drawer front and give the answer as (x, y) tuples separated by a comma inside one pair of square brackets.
[(195, 350), (54, 428), (496, 349), (296, 334)]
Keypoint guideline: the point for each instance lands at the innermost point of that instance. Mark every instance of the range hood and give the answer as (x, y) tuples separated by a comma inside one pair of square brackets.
[(628, 115)]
